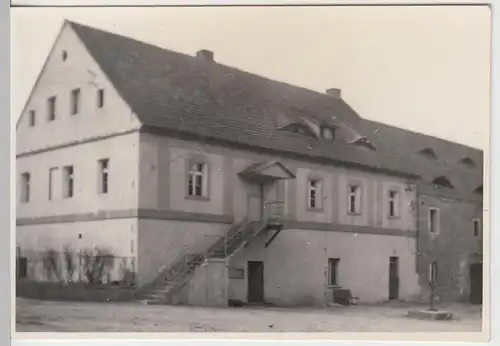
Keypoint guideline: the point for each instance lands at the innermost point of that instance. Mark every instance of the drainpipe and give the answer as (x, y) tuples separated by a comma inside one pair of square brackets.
[(417, 216)]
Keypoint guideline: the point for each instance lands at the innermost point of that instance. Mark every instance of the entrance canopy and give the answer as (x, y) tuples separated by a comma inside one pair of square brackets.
[(267, 171)]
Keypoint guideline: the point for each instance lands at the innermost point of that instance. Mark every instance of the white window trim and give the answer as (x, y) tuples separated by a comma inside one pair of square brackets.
[(438, 222), (25, 193), (102, 171), (191, 175), (52, 173), (397, 203), (318, 194), (75, 101), (357, 197), (66, 179)]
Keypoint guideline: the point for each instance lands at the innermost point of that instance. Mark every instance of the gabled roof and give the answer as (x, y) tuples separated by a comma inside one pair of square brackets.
[(186, 94)]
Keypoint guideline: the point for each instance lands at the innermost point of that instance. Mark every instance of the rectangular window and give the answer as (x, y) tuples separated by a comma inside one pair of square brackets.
[(477, 228), (51, 108), (354, 201), (197, 180), (433, 220), (75, 101), (314, 194), (100, 98), (25, 187), (333, 264), (433, 272), (103, 175), (32, 118), (68, 181), (393, 203), (52, 173)]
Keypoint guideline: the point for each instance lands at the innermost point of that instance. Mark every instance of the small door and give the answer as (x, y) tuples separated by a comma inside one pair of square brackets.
[(255, 282), (393, 278), (476, 283)]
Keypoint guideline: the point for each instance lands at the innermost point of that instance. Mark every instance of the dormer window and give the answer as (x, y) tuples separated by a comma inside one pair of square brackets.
[(429, 153), (327, 133), (467, 161), (442, 181)]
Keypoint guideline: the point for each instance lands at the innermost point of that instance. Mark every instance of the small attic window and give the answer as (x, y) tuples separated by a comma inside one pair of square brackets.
[(64, 55), (363, 142), (428, 152), (327, 133), (297, 128), (479, 189), (467, 161), (442, 181)]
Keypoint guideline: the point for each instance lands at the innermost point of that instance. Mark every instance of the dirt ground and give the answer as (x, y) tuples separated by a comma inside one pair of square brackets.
[(44, 316)]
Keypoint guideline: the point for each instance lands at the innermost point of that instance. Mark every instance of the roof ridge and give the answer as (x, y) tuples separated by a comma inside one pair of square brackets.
[(238, 69), (375, 122)]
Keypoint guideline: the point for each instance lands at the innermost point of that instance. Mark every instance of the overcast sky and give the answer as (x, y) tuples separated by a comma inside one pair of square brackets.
[(422, 68)]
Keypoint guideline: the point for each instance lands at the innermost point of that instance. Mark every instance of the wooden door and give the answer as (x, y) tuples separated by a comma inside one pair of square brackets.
[(255, 282), (476, 283), (393, 278)]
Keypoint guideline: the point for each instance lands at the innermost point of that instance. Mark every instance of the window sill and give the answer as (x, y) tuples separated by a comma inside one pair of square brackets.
[(353, 213), (315, 210), (394, 217), (334, 287), (198, 198)]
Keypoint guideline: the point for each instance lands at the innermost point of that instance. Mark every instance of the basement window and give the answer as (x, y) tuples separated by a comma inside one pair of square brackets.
[(333, 266), (434, 220)]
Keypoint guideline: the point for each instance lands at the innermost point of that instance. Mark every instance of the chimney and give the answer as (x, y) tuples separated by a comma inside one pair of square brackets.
[(205, 54), (334, 92)]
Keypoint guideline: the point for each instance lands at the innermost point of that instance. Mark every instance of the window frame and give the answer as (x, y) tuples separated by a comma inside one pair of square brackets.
[(433, 272), (32, 118), (318, 191), (336, 261), (75, 101), (357, 198), (438, 220), (25, 187), (52, 108), (191, 175), (51, 194), (68, 181), (103, 166), (100, 98), (395, 202), (476, 231)]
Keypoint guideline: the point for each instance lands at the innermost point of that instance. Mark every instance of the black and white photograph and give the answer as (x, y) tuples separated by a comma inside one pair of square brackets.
[(251, 169)]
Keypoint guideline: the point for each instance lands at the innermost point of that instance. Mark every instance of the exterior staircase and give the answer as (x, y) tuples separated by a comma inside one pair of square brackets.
[(171, 280)]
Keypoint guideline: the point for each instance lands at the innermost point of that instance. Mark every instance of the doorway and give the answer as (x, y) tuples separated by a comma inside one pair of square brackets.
[(393, 278), (255, 282), (476, 283)]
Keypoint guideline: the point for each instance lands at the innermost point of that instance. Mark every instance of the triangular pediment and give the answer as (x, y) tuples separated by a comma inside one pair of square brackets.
[(273, 170)]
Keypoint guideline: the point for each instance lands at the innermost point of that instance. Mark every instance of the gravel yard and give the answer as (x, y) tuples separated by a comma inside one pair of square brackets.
[(45, 316)]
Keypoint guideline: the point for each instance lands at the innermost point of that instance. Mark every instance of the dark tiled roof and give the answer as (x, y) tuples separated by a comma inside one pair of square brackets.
[(402, 143), (187, 94)]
